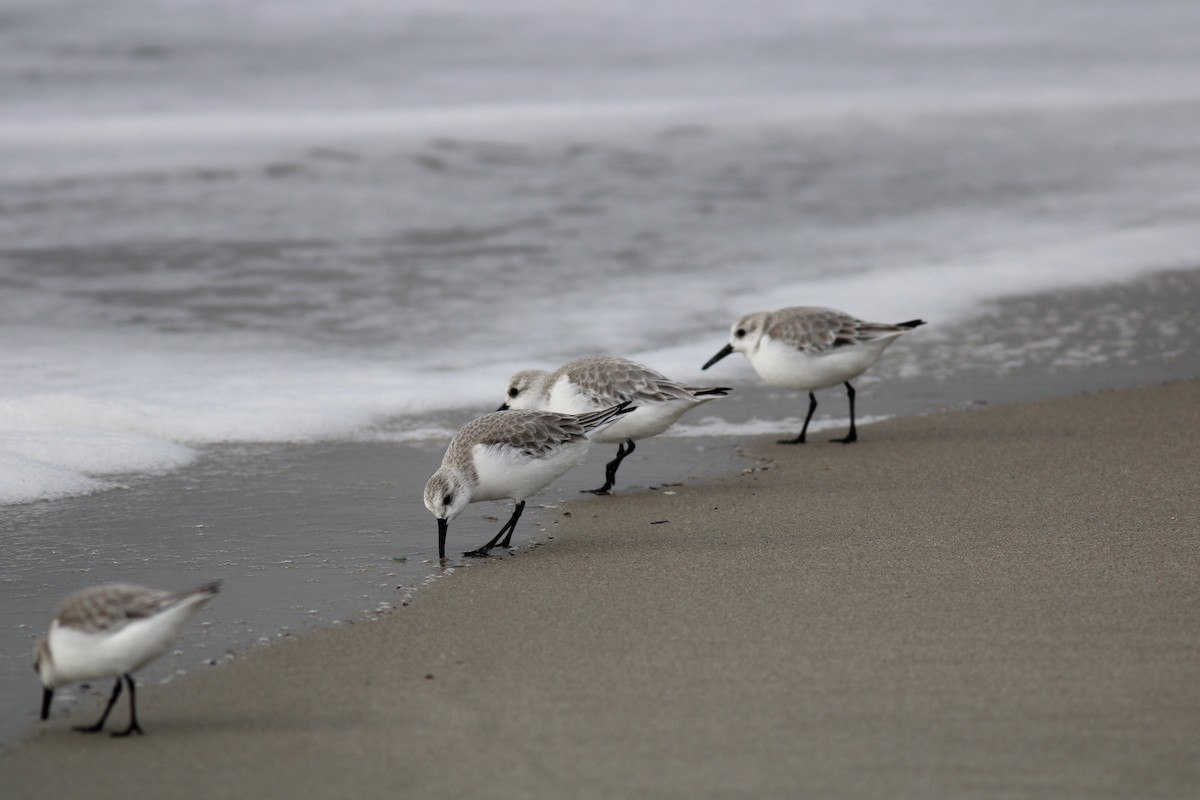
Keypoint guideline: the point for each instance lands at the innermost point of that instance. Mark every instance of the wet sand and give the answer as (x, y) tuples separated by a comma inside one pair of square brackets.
[(1000, 602)]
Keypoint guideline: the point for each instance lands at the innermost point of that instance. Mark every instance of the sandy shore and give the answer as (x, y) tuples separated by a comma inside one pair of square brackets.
[(1001, 602)]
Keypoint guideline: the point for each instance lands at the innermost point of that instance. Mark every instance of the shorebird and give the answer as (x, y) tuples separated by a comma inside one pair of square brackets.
[(509, 454), (810, 348), (595, 382), (112, 631)]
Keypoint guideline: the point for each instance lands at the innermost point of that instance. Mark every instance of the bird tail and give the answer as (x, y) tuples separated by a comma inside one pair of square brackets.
[(912, 323), (597, 419)]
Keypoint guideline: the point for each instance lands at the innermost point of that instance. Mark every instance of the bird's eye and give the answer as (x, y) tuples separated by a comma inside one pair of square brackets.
[(740, 332), (513, 392), (448, 499)]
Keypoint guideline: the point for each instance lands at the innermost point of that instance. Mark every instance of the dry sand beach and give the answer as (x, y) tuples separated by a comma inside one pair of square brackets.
[(1001, 602)]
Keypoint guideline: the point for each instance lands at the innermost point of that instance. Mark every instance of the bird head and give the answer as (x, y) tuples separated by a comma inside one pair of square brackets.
[(744, 336), (525, 390)]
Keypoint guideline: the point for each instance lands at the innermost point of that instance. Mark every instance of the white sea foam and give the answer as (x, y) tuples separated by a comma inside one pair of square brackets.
[(419, 433), (89, 450), (24, 480), (79, 409)]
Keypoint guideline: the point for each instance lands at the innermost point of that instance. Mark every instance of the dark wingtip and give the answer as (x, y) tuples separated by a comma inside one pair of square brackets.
[(716, 391), (617, 410), (912, 323), (212, 587)]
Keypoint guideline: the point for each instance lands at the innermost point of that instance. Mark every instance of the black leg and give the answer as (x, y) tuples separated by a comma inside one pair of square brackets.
[(610, 469), (512, 523), (133, 723), (47, 698), (852, 436), (111, 702), (507, 529), (812, 406)]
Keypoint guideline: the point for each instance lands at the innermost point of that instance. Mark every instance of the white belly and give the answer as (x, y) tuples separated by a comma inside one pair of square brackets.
[(82, 656), (504, 472), (650, 418), (781, 364)]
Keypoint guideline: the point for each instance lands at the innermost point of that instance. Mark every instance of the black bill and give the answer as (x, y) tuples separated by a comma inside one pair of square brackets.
[(724, 351)]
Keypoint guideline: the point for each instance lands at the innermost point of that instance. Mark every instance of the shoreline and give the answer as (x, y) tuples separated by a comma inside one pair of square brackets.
[(973, 603), (303, 536), (308, 535)]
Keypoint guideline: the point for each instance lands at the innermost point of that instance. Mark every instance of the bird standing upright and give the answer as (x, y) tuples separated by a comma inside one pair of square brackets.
[(810, 348)]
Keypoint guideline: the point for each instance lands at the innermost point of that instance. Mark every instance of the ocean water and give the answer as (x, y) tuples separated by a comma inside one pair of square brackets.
[(276, 252)]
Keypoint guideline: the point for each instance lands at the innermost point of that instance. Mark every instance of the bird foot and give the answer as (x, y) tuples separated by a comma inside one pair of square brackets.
[(480, 553), (798, 440), (88, 728), (601, 491)]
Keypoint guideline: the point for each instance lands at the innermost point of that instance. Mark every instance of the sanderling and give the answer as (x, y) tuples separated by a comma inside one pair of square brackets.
[(596, 382), (112, 631), (810, 348), (509, 454)]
